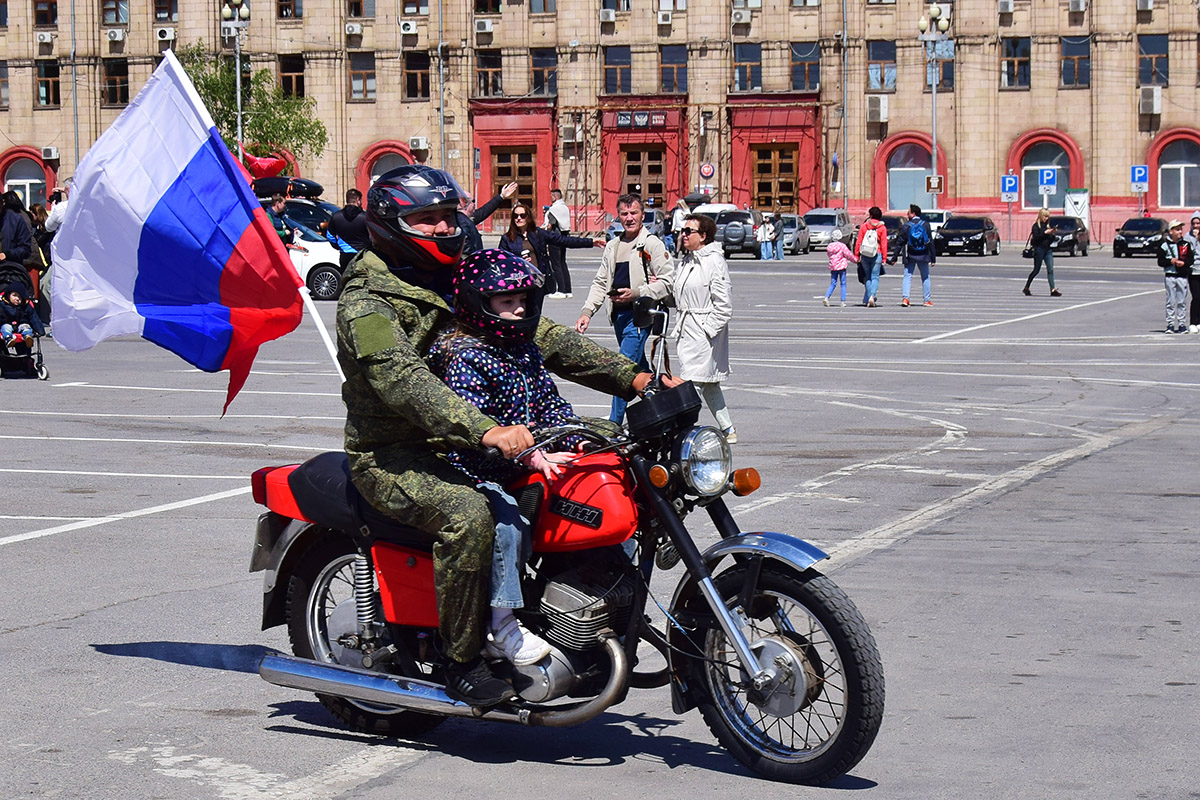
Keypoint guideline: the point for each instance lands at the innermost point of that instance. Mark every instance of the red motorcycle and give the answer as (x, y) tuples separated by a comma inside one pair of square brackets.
[(776, 657)]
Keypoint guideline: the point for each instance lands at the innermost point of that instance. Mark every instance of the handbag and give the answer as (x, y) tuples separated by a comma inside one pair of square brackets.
[(1028, 251)]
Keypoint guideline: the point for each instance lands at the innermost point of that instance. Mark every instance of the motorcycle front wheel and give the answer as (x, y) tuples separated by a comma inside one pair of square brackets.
[(819, 717), (321, 586)]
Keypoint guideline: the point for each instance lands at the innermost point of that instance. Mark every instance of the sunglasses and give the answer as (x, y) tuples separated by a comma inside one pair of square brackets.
[(520, 216), (689, 231)]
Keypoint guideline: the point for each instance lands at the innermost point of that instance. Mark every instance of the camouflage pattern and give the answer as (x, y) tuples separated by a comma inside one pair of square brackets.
[(401, 419)]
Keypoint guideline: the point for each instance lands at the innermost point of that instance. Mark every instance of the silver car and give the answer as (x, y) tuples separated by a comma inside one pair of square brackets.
[(653, 220), (795, 234), (823, 221)]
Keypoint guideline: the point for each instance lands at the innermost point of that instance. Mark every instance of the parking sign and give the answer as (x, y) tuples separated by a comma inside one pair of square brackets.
[(1139, 178), (1009, 188), (1047, 180)]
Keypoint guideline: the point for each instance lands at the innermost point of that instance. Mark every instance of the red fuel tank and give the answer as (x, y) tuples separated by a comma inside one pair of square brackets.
[(590, 505)]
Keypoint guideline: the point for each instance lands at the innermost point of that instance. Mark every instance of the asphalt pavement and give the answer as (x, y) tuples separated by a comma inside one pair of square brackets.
[(1004, 484)]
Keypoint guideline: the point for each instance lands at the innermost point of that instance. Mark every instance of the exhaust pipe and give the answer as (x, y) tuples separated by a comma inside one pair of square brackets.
[(425, 697)]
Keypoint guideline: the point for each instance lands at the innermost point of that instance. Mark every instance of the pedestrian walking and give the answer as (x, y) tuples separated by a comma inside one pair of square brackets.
[(704, 306), (1193, 238), (870, 251), (678, 218), (1041, 239), (558, 220), (839, 255), (347, 229), (764, 234), (1176, 256), (777, 236), (916, 243)]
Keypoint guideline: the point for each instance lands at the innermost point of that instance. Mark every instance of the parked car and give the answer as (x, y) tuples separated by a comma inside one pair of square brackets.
[(821, 223), (317, 261), (795, 234), (936, 218), (313, 214), (967, 234), (654, 220), (735, 231), (892, 222), (1139, 235), (1073, 236), (713, 209)]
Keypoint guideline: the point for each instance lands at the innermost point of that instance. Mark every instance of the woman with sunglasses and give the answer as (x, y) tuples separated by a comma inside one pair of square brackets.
[(525, 240)]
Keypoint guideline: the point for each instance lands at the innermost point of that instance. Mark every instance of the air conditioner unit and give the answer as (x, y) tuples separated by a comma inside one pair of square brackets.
[(1150, 100), (45, 37), (50, 153), (1145, 5), (115, 34), (1006, 6), (877, 108), (354, 29), (483, 26), (408, 27), (164, 34), (418, 143), (664, 18), (570, 134), (741, 16), (1077, 5), (608, 15)]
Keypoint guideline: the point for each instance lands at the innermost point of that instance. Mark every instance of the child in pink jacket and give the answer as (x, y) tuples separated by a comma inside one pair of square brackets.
[(839, 255)]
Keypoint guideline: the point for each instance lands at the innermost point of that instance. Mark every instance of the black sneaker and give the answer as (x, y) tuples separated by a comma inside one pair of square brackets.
[(474, 684)]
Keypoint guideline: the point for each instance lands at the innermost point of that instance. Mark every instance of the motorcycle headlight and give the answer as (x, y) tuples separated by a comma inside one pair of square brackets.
[(706, 459)]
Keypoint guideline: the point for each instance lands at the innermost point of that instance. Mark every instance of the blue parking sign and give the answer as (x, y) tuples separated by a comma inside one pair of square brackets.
[(1048, 176), (1139, 178), (1009, 188)]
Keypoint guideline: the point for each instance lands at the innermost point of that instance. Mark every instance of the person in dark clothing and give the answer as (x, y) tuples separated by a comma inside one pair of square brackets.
[(16, 236), (348, 227), (1041, 239), (558, 218), (469, 217), (18, 319), (1176, 257), (533, 244)]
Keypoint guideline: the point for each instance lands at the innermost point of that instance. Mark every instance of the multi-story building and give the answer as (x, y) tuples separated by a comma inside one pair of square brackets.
[(743, 98)]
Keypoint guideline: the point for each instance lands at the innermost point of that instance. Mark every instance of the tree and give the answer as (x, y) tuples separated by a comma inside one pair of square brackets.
[(271, 121)]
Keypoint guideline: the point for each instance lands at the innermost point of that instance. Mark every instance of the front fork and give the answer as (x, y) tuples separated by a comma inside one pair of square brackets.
[(730, 625)]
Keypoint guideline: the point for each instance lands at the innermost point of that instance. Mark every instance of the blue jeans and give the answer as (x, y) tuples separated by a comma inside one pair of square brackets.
[(1042, 255), (512, 547), (779, 250), (631, 341), (926, 286), (872, 265), (7, 331), (766, 250), (836, 277)]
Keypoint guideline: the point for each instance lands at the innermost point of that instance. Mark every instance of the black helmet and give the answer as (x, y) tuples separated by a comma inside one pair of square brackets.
[(487, 273), (404, 191)]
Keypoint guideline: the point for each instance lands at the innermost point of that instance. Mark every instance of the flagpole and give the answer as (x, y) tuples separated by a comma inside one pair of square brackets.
[(316, 317)]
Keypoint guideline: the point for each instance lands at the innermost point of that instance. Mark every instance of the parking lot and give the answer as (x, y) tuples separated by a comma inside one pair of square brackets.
[(1003, 483)]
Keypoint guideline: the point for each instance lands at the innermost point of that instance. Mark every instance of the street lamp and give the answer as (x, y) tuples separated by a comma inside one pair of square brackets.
[(235, 17), (934, 28)]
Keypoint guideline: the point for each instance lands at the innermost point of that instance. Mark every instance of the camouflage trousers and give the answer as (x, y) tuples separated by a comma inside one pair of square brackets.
[(434, 496)]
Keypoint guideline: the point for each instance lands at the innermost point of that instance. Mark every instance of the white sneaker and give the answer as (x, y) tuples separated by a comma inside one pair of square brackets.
[(516, 644), (556, 296), (1194, 328), (843, 304), (825, 302), (570, 295)]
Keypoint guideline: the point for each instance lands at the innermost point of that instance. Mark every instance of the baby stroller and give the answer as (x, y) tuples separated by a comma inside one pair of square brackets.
[(21, 359)]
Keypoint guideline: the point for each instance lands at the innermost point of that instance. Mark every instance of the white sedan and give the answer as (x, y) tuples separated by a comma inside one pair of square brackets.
[(317, 261)]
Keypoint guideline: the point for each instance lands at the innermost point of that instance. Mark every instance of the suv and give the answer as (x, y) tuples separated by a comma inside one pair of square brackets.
[(936, 219), (1072, 236), (1139, 235), (735, 231), (821, 223)]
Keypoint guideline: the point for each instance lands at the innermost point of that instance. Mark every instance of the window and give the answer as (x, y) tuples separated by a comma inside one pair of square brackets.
[(543, 76), (3, 84), (362, 76), (1014, 62), (116, 82), (1043, 156), (360, 8), (907, 167), (617, 70), (1179, 175), (416, 7), (747, 3), (416, 76), (806, 66), (166, 10), (747, 67), (939, 66), (45, 13), (289, 9), (488, 74), (3, 13), (672, 5), (1152, 60), (1076, 61), (542, 6), (644, 173), (775, 177), (881, 66), (487, 6), (798, 3), (27, 178), (114, 12), (616, 5), (47, 84), (672, 63), (291, 75), (514, 165)]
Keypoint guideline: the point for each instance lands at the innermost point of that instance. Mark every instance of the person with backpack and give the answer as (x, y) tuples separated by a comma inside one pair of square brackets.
[(870, 250), (916, 240)]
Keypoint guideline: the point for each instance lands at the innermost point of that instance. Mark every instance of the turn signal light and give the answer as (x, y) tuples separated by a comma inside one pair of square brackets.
[(746, 481), (659, 477)]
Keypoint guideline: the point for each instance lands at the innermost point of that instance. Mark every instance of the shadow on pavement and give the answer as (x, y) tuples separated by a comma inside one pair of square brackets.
[(234, 658)]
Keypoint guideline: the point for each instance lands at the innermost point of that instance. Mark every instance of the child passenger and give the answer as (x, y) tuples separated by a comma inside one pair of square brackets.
[(489, 358), (18, 318), (838, 254)]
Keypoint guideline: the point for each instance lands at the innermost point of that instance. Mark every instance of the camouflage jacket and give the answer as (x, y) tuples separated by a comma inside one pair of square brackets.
[(396, 409)]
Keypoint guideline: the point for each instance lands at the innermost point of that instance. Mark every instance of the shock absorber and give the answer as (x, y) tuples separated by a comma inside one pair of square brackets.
[(364, 596)]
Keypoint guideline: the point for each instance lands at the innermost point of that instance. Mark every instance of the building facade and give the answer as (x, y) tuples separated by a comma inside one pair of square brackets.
[(740, 98)]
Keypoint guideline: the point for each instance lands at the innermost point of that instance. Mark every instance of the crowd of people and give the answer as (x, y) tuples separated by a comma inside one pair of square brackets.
[(25, 235)]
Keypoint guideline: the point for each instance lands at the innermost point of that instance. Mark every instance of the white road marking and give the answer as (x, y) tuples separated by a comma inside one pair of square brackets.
[(124, 474), (90, 523), (106, 439), (197, 391), (1075, 307), (25, 412)]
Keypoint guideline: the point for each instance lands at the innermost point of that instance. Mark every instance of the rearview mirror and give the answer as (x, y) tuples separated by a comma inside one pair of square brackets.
[(647, 315)]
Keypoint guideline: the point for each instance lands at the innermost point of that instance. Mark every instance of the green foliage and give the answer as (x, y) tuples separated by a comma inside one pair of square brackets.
[(270, 121)]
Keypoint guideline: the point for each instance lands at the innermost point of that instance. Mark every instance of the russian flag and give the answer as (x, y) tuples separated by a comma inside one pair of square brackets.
[(164, 238)]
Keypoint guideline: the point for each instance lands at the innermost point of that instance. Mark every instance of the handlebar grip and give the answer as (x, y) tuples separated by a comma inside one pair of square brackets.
[(492, 453)]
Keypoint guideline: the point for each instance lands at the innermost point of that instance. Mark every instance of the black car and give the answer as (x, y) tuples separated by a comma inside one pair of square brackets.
[(963, 234), (735, 232), (892, 223), (1072, 236), (1139, 235)]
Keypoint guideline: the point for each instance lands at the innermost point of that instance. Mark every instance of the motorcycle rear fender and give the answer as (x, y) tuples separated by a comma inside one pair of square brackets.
[(274, 545)]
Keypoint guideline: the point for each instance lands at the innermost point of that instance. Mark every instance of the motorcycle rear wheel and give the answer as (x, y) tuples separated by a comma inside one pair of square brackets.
[(815, 725), (322, 580)]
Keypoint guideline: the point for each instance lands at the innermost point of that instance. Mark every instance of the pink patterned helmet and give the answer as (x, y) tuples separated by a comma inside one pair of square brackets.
[(487, 273)]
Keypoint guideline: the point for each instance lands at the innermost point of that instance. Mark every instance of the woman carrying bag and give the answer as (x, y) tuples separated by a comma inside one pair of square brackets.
[(1041, 242)]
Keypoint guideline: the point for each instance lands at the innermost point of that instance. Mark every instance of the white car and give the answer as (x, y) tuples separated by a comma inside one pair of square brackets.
[(318, 262), (936, 219)]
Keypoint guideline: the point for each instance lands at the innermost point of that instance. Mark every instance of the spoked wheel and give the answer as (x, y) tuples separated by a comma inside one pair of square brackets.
[(819, 715), (320, 611)]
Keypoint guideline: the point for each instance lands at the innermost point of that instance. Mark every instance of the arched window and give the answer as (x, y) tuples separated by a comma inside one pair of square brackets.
[(1179, 175), (907, 167), (387, 163), (27, 179), (1041, 156)]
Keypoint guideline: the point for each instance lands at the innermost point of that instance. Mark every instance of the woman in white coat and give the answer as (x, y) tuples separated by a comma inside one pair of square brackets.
[(704, 307)]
